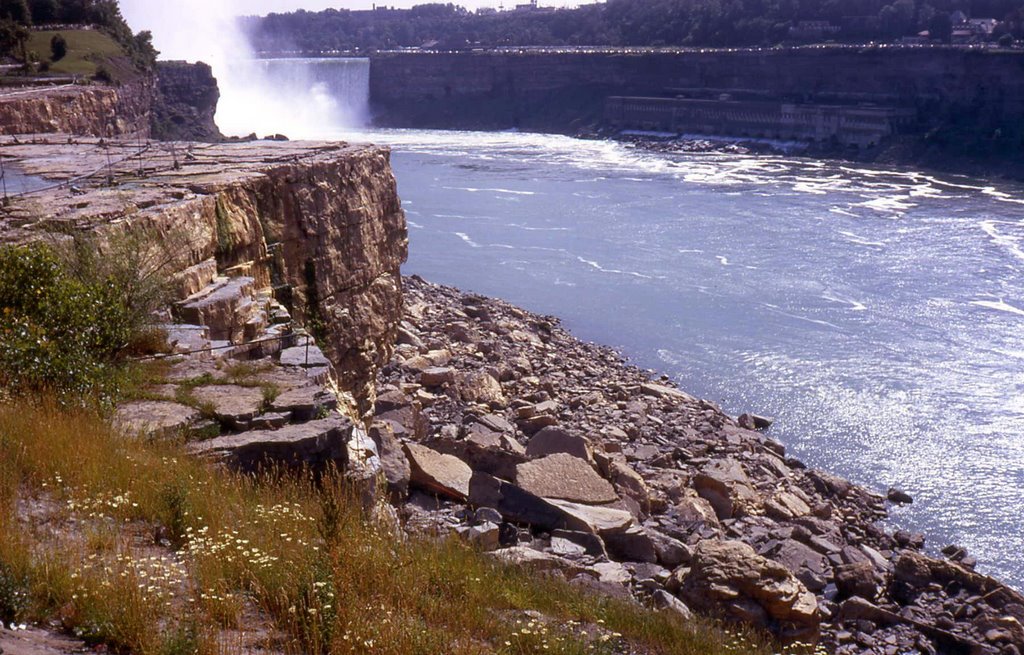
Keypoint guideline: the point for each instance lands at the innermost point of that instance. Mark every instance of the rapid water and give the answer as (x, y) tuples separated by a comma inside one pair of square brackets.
[(878, 315)]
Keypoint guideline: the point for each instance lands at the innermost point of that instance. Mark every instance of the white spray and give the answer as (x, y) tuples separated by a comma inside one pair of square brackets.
[(260, 97)]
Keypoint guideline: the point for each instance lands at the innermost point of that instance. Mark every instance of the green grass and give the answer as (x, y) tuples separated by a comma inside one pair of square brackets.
[(324, 577), (87, 50)]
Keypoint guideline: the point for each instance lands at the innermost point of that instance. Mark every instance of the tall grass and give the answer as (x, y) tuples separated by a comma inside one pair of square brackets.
[(132, 544)]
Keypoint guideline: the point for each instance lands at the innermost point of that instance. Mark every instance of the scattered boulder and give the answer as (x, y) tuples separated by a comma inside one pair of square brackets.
[(437, 473), (437, 376), (729, 578), (899, 496), (479, 387), (725, 485), (552, 440), (754, 422), (857, 579), (569, 543), (633, 545), (395, 464), (599, 520), (666, 601), (565, 477)]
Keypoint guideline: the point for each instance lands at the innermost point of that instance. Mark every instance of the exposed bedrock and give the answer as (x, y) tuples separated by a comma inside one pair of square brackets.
[(93, 110), (318, 225)]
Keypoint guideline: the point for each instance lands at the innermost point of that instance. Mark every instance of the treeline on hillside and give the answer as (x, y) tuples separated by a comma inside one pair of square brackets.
[(712, 23), (17, 16)]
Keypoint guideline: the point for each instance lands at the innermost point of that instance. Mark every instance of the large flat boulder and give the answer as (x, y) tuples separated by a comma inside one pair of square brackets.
[(313, 444), (588, 518), (565, 477), (730, 579), (553, 439), (233, 405), (155, 418), (437, 473)]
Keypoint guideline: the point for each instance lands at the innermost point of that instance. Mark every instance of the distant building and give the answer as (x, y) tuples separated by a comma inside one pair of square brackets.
[(983, 26), (531, 6), (972, 30)]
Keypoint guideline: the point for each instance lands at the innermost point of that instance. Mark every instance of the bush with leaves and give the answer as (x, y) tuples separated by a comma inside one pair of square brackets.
[(58, 333), (58, 47)]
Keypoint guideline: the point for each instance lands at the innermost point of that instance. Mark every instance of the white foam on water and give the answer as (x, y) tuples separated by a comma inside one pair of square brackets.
[(855, 305), (850, 237), (1009, 242), (999, 305), (469, 241), (843, 212), (530, 228), (597, 266), (475, 190)]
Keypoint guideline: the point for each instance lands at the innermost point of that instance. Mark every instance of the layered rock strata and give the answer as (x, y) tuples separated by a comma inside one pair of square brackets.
[(318, 226), (556, 454), (90, 110), (185, 102)]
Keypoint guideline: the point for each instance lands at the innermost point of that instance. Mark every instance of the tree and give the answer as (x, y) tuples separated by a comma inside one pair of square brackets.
[(1006, 40), (16, 10), (58, 47), (13, 39), (44, 11), (940, 27)]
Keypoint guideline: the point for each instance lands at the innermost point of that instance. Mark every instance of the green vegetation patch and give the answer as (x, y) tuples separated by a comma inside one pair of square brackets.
[(87, 51)]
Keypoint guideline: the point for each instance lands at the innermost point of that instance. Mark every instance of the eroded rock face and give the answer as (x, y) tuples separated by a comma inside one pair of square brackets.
[(318, 224), (185, 102), (103, 111), (729, 577)]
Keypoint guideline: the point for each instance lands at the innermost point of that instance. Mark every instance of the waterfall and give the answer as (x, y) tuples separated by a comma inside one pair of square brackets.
[(300, 98)]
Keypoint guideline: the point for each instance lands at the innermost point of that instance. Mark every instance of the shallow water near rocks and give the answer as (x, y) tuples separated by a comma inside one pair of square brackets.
[(878, 315)]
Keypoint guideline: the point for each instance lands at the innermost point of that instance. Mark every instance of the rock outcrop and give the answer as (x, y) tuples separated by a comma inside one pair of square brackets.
[(318, 226), (185, 103)]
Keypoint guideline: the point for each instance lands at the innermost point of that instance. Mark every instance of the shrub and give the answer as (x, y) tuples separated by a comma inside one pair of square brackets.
[(58, 47), (58, 333)]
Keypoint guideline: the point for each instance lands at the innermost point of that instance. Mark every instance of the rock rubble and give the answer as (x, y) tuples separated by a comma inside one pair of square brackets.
[(587, 467)]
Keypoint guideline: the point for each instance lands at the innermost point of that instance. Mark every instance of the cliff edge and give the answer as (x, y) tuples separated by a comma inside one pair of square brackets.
[(317, 225)]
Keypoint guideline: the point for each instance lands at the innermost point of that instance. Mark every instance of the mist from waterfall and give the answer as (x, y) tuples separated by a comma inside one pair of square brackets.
[(297, 98)]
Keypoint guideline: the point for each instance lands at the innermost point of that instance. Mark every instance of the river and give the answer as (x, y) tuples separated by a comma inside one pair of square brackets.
[(878, 315)]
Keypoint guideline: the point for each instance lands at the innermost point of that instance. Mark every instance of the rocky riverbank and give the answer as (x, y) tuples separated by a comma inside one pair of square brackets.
[(499, 425)]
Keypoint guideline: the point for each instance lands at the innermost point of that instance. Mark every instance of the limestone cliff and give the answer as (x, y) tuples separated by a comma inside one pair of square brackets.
[(185, 103), (318, 224), (93, 110)]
